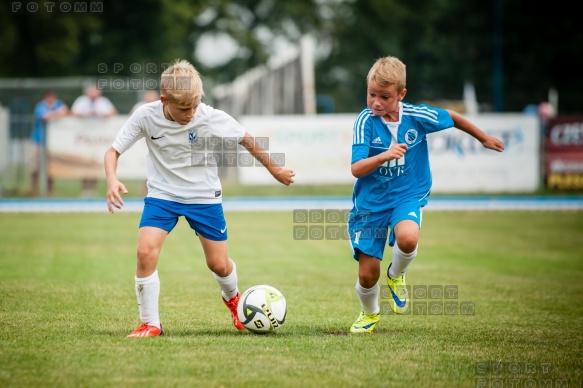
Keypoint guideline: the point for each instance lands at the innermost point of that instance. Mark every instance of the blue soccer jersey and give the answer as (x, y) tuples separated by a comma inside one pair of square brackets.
[(402, 180)]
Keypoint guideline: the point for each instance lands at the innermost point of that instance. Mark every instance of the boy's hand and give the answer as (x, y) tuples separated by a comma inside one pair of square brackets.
[(395, 152), (113, 197), (284, 175), (493, 143)]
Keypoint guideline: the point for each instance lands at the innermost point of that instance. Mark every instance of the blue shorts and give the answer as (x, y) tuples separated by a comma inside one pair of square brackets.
[(368, 230), (206, 220)]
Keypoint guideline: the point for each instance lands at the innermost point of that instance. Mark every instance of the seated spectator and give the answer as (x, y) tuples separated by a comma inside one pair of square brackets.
[(92, 104)]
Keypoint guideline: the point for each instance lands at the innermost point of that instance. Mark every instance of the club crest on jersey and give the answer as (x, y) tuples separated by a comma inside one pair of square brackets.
[(411, 136), (192, 136)]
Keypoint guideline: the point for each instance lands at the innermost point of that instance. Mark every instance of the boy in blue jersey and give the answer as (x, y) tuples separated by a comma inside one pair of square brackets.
[(390, 160), (183, 181)]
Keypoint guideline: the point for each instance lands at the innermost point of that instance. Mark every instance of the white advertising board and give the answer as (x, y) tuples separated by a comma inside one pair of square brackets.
[(76, 148), (318, 149), (460, 164)]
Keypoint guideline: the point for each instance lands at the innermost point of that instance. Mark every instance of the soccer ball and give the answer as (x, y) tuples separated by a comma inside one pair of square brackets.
[(262, 309)]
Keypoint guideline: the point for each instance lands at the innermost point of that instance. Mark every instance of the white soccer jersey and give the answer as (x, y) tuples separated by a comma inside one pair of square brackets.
[(182, 160)]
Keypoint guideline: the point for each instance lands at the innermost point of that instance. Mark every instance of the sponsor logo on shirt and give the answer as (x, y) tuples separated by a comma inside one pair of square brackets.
[(192, 136), (392, 168)]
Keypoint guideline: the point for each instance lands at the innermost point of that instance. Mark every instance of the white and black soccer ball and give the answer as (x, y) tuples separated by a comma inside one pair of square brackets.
[(262, 309)]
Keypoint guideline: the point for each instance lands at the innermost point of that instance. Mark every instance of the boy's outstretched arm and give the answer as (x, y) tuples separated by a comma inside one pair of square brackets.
[(491, 142), (281, 174)]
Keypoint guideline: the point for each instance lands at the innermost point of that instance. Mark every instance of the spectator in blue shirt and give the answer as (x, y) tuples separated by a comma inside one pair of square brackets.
[(49, 108)]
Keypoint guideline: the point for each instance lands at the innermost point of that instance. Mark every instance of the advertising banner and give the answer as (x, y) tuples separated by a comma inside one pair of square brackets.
[(76, 147), (460, 164), (563, 153), (318, 149)]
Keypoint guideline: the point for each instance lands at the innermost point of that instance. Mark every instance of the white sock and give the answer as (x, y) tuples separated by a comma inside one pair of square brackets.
[(228, 284), (401, 262), (369, 298), (148, 293)]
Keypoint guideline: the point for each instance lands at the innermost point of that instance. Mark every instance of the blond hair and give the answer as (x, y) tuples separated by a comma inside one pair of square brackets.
[(181, 83), (388, 71)]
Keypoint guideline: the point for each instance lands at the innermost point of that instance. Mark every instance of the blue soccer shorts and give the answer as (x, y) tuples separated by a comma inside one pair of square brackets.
[(368, 230), (207, 220)]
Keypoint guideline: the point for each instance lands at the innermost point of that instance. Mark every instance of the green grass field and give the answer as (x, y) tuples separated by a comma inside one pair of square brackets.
[(71, 188), (67, 303)]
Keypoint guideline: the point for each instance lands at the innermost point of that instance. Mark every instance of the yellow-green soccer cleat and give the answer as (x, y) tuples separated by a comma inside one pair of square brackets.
[(365, 323), (399, 297)]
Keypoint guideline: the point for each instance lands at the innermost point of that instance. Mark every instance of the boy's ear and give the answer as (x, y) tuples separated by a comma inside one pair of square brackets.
[(402, 94), (163, 99)]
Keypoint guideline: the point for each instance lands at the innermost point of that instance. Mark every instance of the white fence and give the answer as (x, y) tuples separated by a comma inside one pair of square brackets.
[(285, 85)]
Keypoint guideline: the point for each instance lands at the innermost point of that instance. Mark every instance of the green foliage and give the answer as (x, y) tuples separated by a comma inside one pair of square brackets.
[(68, 302), (44, 43), (254, 25), (444, 43)]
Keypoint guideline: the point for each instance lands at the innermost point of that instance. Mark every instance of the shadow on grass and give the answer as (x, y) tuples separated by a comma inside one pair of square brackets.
[(285, 332)]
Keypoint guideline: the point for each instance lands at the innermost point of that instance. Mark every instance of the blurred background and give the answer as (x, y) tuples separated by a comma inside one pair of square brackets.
[(498, 61)]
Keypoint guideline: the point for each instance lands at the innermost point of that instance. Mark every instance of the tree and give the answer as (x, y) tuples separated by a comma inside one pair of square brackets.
[(52, 42), (42, 41), (446, 43), (255, 26), (511, 51)]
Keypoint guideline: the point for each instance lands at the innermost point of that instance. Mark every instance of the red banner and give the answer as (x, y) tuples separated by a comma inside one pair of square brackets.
[(563, 153)]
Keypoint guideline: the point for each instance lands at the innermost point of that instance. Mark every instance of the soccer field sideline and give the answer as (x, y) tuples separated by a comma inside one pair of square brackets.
[(458, 203)]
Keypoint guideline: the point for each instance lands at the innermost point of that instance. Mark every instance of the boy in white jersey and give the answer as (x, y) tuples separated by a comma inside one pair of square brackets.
[(391, 163), (182, 180)]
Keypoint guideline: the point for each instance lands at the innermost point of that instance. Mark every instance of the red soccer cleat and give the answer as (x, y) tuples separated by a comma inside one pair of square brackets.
[(232, 305), (147, 331)]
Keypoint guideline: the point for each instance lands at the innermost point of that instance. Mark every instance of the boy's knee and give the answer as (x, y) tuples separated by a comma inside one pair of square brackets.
[(147, 254), (368, 280), (407, 244), (142, 253), (220, 267)]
